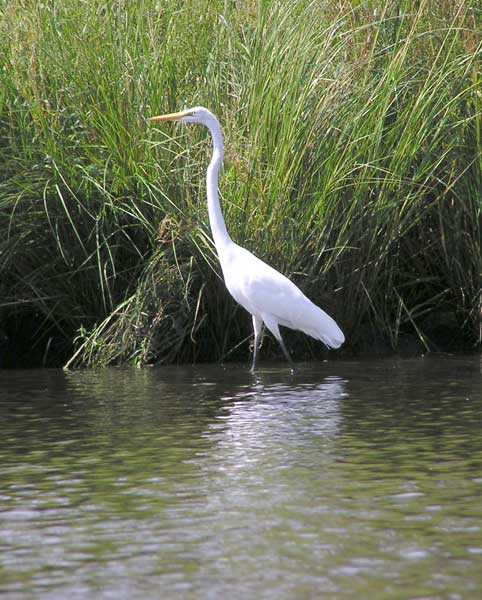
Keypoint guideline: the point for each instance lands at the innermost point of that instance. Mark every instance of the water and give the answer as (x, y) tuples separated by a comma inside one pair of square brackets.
[(346, 480)]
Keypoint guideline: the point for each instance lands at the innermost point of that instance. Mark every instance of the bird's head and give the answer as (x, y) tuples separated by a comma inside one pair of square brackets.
[(198, 114)]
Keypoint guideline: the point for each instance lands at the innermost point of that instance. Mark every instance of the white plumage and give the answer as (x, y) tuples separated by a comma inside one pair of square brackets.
[(269, 296)]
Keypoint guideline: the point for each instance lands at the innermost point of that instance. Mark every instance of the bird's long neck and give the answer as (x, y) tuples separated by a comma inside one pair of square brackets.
[(216, 220)]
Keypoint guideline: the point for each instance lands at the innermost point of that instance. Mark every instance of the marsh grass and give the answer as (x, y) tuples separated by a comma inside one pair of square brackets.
[(353, 164)]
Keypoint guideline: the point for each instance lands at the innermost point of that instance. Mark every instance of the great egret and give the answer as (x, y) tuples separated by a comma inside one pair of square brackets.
[(269, 296)]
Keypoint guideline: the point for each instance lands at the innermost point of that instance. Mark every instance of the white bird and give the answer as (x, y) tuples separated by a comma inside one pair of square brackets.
[(270, 297)]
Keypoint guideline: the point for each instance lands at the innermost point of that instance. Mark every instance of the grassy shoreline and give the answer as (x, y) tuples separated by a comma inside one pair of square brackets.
[(353, 164)]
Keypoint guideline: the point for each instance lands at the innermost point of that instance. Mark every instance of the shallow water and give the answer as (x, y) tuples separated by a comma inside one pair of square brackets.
[(345, 480)]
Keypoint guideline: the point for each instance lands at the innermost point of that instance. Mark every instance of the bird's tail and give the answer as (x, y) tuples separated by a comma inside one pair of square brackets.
[(319, 325)]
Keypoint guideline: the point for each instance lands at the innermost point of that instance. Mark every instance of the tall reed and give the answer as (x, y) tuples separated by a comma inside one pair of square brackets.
[(353, 164)]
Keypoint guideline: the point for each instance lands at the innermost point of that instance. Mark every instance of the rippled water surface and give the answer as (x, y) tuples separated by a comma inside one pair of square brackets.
[(345, 480)]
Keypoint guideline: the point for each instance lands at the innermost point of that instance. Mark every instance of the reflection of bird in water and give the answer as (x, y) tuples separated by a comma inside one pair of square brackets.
[(267, 421), (270, 297)]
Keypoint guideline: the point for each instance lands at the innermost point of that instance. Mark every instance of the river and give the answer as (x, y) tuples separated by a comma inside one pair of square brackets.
[(349, 479)]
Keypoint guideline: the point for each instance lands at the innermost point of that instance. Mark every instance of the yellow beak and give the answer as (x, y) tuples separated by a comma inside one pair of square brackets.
[(170, 116)]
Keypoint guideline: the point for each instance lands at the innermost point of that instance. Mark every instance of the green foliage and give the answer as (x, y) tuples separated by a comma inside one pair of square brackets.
[(353, 164)]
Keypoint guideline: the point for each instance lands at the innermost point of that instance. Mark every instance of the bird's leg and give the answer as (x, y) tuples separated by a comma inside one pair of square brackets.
[(255, 352), (286, 353), (273, 326), (257, 328)]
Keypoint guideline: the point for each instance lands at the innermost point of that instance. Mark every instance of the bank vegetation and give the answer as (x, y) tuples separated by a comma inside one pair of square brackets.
[(353, 165)]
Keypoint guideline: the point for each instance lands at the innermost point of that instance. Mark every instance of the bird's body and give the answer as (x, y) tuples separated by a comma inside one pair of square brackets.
[(270, 297), (273, 298)]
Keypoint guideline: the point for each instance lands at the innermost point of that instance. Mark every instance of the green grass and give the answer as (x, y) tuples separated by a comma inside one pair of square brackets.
[(353, 164)]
